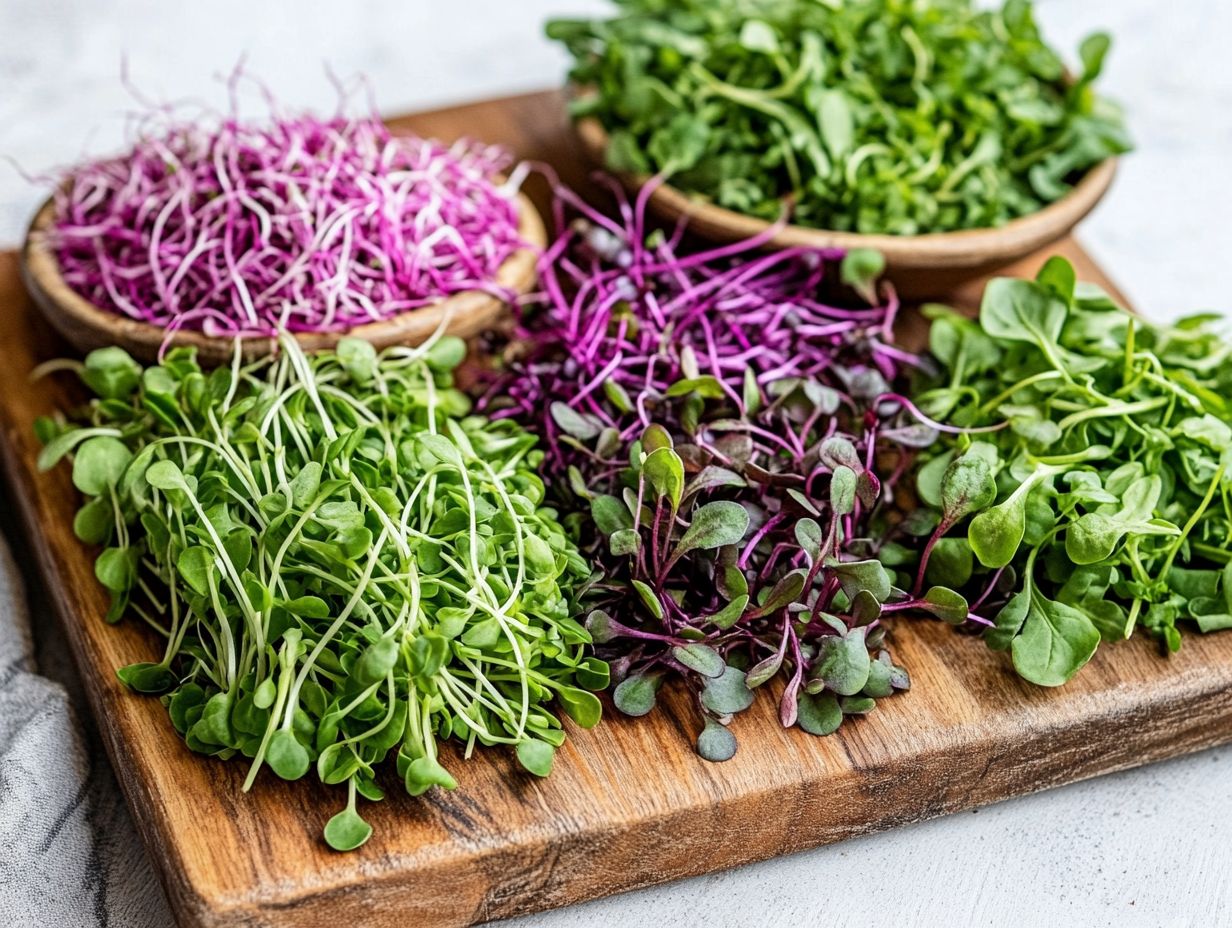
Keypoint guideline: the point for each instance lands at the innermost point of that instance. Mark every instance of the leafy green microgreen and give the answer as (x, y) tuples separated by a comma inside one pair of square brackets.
[(347, 830), (1107, 503), (664, 471), (946, 605), (147, 677), (99, 464), (1055, 642), (342, 561), (727, 693), (843, 665), (713, 525), (871, 116), (536, 756)]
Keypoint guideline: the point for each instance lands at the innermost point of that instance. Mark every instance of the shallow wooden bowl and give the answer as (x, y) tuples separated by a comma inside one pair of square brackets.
[(921, 266), (87, 326)]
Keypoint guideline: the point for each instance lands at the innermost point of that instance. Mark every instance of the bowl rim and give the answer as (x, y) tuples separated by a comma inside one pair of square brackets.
[(86, 325), (979, 247)]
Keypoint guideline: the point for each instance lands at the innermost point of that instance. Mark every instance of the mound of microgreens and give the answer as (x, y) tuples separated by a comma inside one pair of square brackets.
[(303, 224), (860, 115), (344, 563), (1104, 503), (721, 432)]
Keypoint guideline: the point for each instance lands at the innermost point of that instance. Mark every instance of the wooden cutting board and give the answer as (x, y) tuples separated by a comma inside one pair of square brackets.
[(629, 803)]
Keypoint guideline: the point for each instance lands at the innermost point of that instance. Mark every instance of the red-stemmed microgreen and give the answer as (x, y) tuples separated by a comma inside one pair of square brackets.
[(721, 424), (234, 227)]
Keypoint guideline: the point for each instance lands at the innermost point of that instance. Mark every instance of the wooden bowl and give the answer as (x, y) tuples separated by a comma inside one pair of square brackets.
[(87, 326), (920, 265)]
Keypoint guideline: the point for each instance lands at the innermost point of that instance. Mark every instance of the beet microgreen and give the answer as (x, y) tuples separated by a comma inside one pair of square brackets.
[(306, 224), (1093, 492), (720, 425), (344, 562)]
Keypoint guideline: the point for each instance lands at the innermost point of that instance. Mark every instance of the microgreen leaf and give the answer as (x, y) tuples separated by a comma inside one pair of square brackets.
[(819, 714), (649, 598), (946, 605), (94, 521), (147, 678), (869, 575), (636, 695), (714, 525), (583, 707), (783, 593), (423, 773), (111, 373), (716, 743), (730, 614), (665, 471), (610, 514), (116, 569), (99, 464), (579, 425), (727, 693), (861, 267), (347, 831), (966, 487), (808, 535), (843, 490), (165, 475), (358, 357), (536, 756), (843, 662), (996, 533), (625, 542), (702, 658), (1019, 310), (1056, 641), (706, 387), (286, 756)]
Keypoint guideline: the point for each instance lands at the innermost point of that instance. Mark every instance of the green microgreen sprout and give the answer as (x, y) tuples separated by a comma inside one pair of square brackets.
[(344, 563)]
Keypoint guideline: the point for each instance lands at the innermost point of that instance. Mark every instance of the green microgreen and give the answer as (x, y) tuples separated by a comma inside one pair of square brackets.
[(1087, 488), (862, 115), (344, 562)]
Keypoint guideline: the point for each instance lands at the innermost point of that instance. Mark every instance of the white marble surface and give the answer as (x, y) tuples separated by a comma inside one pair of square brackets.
[(1143, 848)]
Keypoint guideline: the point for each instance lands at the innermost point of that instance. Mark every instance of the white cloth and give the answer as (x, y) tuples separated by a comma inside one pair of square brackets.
[(69, 854)]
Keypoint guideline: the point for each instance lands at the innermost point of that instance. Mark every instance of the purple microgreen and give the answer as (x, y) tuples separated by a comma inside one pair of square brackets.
[(757, 439), (240, 228)]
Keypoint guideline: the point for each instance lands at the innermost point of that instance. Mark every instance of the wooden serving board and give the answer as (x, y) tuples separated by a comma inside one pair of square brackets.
[(629, 803)]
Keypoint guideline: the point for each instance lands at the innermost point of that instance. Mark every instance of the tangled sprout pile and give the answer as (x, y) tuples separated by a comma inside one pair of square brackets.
[(304, 224), (725, 423)]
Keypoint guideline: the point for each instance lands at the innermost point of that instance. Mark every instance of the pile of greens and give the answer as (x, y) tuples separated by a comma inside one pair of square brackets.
[(720, 424), (1092, 491), (867, 115), (344, 563)]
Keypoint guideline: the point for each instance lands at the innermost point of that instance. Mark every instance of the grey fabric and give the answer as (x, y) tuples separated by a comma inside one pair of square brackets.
[(69, 854)]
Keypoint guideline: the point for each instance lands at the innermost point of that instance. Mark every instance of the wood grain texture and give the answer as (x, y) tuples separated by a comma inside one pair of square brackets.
[(629, 803)]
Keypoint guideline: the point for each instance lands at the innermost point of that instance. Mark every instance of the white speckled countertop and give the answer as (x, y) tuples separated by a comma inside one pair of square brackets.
[(1142, 848)]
